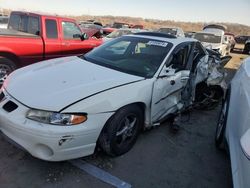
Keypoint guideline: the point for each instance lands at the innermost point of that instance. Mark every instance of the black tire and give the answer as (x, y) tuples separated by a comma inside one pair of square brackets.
[(222, 122), (6, 67), (118, 135)]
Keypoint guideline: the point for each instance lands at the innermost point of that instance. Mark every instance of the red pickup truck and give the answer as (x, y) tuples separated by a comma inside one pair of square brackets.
[(33, 37)]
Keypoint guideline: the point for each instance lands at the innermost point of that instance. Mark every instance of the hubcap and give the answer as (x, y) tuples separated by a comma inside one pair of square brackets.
[(4, 71), (126, 129)]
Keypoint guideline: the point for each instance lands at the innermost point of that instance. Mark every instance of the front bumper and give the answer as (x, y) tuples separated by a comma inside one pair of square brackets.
[(50, 142)]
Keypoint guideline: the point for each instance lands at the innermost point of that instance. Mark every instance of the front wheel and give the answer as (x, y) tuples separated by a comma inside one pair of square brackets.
[(121, 131), (6, 67)]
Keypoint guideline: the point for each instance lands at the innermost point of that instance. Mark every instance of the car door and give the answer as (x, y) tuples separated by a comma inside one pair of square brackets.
[(52, 41), (171, 81), (72, 44)]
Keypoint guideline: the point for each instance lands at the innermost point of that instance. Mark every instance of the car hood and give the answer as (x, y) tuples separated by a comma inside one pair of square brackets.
[(52, 85)]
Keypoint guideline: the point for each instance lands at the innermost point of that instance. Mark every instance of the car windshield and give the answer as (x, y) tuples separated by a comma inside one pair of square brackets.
[(132, 55), (91, 26), (171, 31), (118, 33), (207, 37)]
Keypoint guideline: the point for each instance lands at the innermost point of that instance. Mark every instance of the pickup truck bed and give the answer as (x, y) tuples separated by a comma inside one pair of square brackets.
[(14, 33)]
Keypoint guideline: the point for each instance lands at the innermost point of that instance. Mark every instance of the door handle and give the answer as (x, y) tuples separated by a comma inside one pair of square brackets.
[(183, 79), (66, 44), (172, 82)]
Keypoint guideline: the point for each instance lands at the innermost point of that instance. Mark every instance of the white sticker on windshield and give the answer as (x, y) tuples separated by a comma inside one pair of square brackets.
[(157, 43)]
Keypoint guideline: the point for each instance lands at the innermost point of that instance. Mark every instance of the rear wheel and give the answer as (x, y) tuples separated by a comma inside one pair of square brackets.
[(6, 67), (221, 124), (121, 131)]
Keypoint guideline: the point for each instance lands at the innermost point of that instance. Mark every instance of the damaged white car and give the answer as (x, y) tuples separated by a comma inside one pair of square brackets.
[(233, 128), (63, 108)]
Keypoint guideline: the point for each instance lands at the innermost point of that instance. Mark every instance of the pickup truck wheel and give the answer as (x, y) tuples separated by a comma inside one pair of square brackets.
[(121, 131), (6, 67)]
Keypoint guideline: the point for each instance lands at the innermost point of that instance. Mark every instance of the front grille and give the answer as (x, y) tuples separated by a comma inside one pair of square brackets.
[(1, 96), (10, 106)]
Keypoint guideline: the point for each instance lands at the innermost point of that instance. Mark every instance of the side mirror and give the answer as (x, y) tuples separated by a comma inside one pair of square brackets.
[(245, 143), (169, 71), (82, 36)]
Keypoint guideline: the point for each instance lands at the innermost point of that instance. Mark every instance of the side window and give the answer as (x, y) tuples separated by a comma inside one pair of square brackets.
[(34, 25), (180, 57), (70, 29), (51, 29), (18, 22), (199, 53), (14, 21)]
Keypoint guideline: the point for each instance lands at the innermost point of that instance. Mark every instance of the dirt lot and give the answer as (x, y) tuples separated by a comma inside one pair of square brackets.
[(159, 159)]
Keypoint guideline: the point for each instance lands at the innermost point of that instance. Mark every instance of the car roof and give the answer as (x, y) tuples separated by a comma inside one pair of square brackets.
[(130, 29), (41, 14), (174, 40)]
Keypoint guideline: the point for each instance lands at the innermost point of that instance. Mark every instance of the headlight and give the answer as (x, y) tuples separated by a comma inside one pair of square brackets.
[(56, 118)]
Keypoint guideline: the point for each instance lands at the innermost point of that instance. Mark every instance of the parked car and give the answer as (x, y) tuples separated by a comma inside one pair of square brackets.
[(213, 36), (92, 30), (213, 41), (39, 37), (241, 39), (4, 21), (108, 30), (119, 25), (189, 34), (176, 31), (120, 32), (246, 49), (63, 108), (92, 22), (233, 128), (231, 40)]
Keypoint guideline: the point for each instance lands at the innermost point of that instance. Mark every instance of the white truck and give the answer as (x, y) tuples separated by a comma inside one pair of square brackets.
[(3, 21), (213, 37)]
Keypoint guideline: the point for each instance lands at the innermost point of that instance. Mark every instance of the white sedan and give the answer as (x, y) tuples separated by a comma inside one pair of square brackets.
[(233, 128), (62, 108)]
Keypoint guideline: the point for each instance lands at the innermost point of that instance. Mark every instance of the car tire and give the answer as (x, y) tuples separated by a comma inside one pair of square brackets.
[(121, 131), (220, 141), (6, 67)]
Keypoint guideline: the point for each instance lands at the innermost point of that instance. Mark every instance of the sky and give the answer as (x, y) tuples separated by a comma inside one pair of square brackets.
[(234, 11)]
